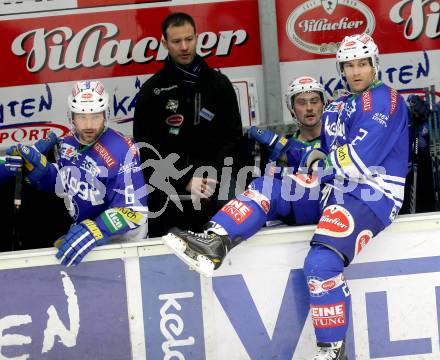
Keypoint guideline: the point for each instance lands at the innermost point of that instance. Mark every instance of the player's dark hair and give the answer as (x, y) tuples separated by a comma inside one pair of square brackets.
[(177, 19)]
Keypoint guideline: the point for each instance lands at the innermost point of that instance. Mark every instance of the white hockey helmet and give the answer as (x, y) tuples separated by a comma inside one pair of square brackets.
[(354, 47), (301, 85), (88, 97)]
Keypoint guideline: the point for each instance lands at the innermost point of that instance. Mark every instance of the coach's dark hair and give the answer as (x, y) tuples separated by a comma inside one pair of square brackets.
[(177, 19)]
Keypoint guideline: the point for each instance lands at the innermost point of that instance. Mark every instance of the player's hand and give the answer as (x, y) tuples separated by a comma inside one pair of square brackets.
[(79, 241), (201, 187), (34, 161), (312, 159), (45, 145), (278, 144), (12, 163)]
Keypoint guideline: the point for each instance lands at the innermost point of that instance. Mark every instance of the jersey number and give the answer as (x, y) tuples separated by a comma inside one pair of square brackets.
[(362, 134)]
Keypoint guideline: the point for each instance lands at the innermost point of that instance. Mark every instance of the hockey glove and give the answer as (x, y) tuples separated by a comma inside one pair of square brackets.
[(312, 159), (315, 161), (79, 241), (278, 144), (35, 162), (9, 165), (45, 145)]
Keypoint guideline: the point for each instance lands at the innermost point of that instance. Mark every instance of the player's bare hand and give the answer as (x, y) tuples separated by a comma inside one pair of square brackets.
[(201, 187)]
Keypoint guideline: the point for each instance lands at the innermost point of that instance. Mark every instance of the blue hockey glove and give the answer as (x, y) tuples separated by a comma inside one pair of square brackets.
[(9, 164), (35, 162), (278, 144), (79, 241), (45, 145)]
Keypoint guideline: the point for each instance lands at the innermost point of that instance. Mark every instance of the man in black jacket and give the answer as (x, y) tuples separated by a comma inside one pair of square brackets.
[(190, 110)]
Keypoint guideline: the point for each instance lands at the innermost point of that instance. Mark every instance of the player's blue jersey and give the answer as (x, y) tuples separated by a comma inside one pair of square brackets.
[(4, 172), (102, 176), (366, 137), (296, 150)]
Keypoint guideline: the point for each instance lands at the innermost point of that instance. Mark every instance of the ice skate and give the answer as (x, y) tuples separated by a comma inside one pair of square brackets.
[(331, 351), (204, 252)]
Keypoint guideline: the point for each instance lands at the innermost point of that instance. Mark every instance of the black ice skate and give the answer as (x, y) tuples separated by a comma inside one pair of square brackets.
[(331, 351), (204, 252)]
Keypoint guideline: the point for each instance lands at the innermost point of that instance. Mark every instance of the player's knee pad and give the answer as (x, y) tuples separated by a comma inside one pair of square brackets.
[(323, 262)]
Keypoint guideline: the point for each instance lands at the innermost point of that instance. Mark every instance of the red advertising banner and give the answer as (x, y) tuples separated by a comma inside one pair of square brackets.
[(121, 43), (312, 29), (92, 3)]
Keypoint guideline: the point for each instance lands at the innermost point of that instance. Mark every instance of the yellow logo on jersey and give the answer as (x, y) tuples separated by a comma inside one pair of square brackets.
[(283, 141), (343, 156)]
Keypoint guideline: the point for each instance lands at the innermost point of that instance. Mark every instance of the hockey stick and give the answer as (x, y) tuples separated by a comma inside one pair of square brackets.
[(436, 146), (17, 205), (413, 193), (432, 147)]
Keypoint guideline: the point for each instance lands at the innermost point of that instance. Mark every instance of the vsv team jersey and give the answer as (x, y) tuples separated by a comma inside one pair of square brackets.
[(101, 179), (366, 138), (297, 148)]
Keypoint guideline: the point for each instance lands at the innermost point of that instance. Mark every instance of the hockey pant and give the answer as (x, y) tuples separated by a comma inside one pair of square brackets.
[(267, 198)]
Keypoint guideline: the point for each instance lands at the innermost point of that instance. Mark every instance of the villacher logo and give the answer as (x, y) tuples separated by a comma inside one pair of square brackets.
[(318, 26)]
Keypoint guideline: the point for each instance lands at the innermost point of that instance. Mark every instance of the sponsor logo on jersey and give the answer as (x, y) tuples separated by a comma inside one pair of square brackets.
[(89, 165), (127, 168), (328, 316), (104, 155), (69, 182), (350, 108), (172, 105), (343, 156), (335, 221), (334, 106), (131, 145), (174, 120), (335, 128), (237, 210), (366, 101), (381, 119), (393, 94), (259, 199), (331, 19), (362, 239), (68, 151)]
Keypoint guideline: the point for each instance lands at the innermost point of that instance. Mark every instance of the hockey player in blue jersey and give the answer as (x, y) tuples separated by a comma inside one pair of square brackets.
[(268, 198), (304, 100), (98, 173), (361, 165)]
